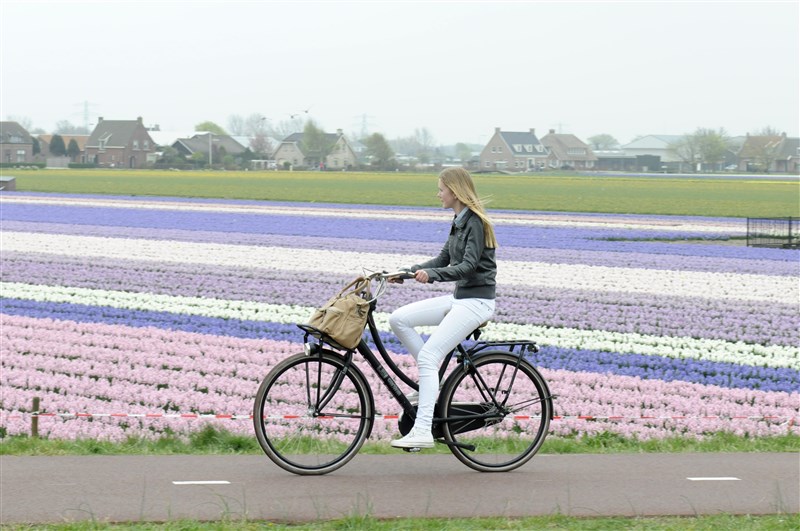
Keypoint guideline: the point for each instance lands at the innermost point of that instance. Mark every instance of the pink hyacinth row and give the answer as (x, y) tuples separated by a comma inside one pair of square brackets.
[(88, 368)]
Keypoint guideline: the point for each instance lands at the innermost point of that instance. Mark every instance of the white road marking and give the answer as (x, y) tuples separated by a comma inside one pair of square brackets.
[(201, 482), (721, 478)]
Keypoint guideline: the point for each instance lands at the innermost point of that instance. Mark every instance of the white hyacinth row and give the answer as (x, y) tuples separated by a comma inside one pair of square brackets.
[(709, 285), (676, 347)]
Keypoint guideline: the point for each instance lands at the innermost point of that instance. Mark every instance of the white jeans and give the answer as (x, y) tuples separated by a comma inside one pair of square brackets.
[(455, 319)]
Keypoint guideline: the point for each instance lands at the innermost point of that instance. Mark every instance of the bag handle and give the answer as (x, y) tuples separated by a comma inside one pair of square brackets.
[(359, 285)]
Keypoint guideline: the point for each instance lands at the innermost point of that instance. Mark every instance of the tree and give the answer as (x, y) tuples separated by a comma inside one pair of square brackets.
[(285, 128), (712, 145), (767, 130), (426, 141), (463, 152), (704, 146), (210, 127), (57, 146), (603, 142), (686, 149), (65, 127), (170, 155), (236, 125), (73, 150), (24, 121), (315, 143), (406, 145), (379, 151), (255, 124), (260, 144), (198, 157)]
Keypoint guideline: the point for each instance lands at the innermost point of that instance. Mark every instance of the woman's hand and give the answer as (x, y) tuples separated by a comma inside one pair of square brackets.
[(421, 276)]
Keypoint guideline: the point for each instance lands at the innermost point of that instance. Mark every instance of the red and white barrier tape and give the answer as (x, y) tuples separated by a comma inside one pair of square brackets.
[(17, 416)]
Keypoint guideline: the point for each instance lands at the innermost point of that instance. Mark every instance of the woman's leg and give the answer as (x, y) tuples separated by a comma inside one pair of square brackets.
[(464, 316), (428, 312)]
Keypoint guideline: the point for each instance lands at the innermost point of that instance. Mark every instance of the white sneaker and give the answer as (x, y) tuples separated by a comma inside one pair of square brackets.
[(415, 439)]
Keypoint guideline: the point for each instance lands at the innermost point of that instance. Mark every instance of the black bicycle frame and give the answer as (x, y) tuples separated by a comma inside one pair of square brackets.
[(464, 357)]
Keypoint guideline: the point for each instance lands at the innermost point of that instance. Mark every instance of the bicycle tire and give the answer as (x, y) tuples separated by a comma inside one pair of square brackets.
[(512, 437), (294, 432)]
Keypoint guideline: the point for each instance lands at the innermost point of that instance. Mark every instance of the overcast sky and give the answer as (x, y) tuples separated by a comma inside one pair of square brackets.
[(459, 69)]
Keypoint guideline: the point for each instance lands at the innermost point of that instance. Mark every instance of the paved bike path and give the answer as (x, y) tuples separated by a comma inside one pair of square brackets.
[(162, 488)]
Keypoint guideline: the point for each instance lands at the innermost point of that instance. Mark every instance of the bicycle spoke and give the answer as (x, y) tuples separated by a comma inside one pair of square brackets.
[(499, 407), (294, 430)]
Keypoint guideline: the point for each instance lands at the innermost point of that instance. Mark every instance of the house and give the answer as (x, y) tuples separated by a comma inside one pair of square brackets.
[(293, 151), (615, 160), (788, 160), (566, 150), (119, 144), (16, 144), (202, 142), (80, 141), (772, 153), (513, 151), (654, 153), (167, 138)]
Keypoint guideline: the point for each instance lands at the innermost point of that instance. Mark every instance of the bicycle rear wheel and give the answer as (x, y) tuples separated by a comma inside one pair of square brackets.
[(512, 433), (311, 416)]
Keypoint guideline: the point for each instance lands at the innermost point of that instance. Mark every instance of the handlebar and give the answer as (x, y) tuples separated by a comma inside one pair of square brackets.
[(384, 277), (402, 274)]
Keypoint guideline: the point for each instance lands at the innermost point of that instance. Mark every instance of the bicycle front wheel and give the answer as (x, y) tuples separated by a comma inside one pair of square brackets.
[(501, 407), (313, 413)]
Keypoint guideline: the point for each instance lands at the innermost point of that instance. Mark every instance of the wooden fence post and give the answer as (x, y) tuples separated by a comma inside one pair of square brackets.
[(35, 418)]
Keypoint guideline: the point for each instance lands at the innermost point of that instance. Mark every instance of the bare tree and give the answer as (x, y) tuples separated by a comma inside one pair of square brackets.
[(255, 124), (767, 130), (284, 128), (236, 125), (603, 142), (261, 144), (687, 150), (24, 121), (426, 142), (65, 127)]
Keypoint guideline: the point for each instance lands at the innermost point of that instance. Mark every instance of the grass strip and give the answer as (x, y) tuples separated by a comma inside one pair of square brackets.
[(365, 522), (564, 192), (211, 440)]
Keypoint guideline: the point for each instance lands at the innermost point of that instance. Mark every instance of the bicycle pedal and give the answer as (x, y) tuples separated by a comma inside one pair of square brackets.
[(412, 450)]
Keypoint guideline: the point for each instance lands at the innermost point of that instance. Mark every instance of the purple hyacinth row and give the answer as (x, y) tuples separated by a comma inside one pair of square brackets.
[(721, 374), (595, 239), (730, 320), (97, 368), (93, 358), (640, 260)]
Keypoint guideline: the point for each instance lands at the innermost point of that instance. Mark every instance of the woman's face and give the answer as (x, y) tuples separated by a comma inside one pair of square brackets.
[(446, 196)]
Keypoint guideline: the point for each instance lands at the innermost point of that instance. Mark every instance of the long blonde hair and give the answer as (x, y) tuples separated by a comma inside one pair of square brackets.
[(459, 181)]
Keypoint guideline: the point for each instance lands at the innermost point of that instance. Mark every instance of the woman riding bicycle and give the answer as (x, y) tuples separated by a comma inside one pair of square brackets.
[(468, 259)]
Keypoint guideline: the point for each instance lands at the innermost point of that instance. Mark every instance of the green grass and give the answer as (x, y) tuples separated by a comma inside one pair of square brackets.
[(777, 522), (213, 441), (718, 197)]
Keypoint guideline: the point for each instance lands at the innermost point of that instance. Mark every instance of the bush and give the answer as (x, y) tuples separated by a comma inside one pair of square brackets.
[(81, 165), (22, 164)]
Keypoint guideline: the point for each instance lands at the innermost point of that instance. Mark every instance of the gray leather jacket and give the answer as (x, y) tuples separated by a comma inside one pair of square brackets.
[(466, 260)]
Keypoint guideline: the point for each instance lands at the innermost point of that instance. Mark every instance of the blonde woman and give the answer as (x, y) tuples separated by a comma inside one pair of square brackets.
[(467, 259)]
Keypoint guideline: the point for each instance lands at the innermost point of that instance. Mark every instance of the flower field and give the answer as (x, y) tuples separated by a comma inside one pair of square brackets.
[(145, 316)]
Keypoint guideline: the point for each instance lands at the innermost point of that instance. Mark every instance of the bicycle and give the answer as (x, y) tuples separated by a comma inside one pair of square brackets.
[(315, 409)]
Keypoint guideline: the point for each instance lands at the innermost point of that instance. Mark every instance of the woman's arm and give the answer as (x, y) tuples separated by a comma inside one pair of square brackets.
[(474, 245)]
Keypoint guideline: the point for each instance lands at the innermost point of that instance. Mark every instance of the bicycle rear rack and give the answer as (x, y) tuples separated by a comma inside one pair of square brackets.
[(518, 347)]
